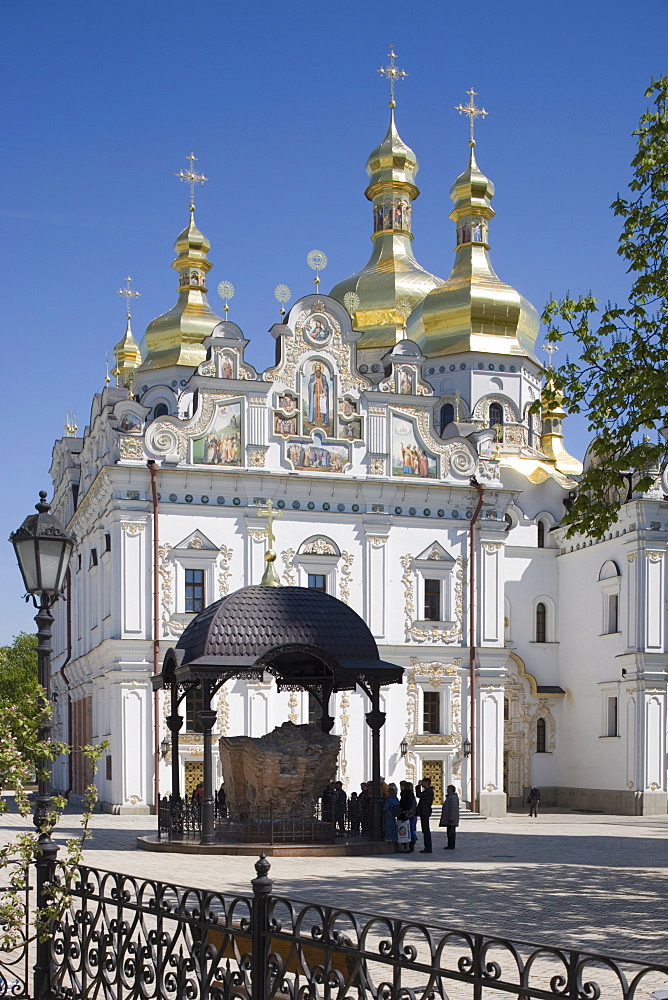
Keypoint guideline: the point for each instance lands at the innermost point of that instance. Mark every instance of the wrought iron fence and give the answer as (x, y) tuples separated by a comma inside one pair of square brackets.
[(125, 938), (15, 932), (310, 821)]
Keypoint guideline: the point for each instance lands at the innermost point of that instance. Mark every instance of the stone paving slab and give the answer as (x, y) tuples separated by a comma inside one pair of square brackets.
[(588, 881)]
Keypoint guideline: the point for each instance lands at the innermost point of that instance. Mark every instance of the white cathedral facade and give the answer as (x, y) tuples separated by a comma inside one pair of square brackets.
[(396, 404)]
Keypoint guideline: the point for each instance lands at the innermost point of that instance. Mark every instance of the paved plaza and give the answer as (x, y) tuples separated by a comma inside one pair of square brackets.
[(592, 881)]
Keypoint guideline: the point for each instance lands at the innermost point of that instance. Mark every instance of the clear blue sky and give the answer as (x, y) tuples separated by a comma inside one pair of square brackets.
[(281, 102)]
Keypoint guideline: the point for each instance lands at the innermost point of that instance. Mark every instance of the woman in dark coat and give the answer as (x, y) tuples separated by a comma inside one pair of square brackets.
[(450, 816), (408, 808)]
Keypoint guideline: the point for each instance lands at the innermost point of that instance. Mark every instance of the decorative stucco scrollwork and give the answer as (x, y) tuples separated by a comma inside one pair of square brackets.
[(287, 558), (164, 439), (224, 572), (346, 575), (420, 633)]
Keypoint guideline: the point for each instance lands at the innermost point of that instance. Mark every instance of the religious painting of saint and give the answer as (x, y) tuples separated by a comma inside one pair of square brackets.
[(316, 456), (351, 430), (226, 366), (405, 380), (317, 399), (409, 456), (285, 425), (317, 329), (287, 403), (129, 423), (221, 445)]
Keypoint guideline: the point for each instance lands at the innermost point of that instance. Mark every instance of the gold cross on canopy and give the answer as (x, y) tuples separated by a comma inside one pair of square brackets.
[(393, 73), (270, 513), (128, 294), (473, 112), (191, 177), (550, 348)]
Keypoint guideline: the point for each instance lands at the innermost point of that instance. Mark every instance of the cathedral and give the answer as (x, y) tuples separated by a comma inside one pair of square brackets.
[(416, 475)]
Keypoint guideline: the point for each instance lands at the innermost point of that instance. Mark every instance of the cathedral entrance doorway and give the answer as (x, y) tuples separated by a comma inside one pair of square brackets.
[(434, 769)]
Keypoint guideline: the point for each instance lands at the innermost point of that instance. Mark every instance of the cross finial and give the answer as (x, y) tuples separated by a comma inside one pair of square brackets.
[(550, 348), (270, 576), (191, 177), (473, 112), (128, 294), (393, 73)]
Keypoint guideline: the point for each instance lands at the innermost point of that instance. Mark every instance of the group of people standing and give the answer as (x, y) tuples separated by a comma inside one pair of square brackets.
[(401, 813)]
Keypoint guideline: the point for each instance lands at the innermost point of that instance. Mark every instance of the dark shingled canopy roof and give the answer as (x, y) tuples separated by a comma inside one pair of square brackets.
[(270, 626)]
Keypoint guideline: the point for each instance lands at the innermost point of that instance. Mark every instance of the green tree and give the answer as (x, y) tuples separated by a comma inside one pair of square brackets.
[(620, 380), (21, 704)]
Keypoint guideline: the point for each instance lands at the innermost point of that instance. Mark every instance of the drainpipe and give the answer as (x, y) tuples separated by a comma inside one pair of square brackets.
[(68, 657), (153, 470), (472, 637)]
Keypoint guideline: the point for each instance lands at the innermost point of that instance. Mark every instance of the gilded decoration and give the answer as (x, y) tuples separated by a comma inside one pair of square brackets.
[(492, 546), (319, 547), (257, 459), (225, 571), (345, 720), (377, 539), (132, 527), (631, 556), (431, 634), (91, 505), (293, 705), (377, 466), (257, 533), (654, 556), (287, 558), (331, 345), (346, 576), (223, 713), (481, 409), (132, 449), (435, 674), (542, 711)]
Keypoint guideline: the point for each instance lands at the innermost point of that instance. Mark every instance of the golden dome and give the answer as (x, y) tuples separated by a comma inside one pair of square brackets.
[(127, 357), (552, 438), (474, 310), (392, 283), (175, 338)]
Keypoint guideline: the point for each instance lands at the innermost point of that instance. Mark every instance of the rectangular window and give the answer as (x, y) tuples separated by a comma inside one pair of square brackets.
[(93, 558), (431, 712), (193, 708), (613, 613), (194, 590), (317, 581), (108, 766), (432, 600), (612, 717), (107, 543)]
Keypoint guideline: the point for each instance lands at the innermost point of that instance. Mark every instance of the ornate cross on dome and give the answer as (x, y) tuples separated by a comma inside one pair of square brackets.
[(550, 348), (270, 513), (128, 294), (270, 576), (191, 177), (393, 73), (473, 112)]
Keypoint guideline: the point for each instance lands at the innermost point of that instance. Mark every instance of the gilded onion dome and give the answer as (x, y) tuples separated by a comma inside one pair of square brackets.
[(175, 338), (392, 284), (552, 439), (474, 310), (127, 357)]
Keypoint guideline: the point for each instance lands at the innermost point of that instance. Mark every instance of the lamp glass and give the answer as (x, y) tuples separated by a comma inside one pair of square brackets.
[(26, 553), (53, 559)]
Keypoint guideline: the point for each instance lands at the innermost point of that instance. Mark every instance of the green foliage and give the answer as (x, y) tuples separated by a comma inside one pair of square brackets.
[(620, 380)]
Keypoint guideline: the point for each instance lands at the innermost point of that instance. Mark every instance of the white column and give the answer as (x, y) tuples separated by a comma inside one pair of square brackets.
[(375, 584), (654, 597), (490, 593), (491, 795), (135, 583)]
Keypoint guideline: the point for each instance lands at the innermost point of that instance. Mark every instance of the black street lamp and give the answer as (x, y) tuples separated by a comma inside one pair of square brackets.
[(466, 747), (43, 549)]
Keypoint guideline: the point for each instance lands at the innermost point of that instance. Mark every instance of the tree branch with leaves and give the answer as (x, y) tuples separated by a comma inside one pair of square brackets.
[(620, 380)]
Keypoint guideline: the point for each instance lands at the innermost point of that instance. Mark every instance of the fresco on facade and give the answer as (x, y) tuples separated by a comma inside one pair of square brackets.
[(406, 381), (351, 430), (317, 397), (129, 423), (318, 329), (221, 445), (409, 457), (285, 425), (317, 456)]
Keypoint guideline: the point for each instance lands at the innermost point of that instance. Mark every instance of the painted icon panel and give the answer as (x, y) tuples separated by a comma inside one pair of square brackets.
[(318, 456), (221, 445), (317, 397), (409, 456)]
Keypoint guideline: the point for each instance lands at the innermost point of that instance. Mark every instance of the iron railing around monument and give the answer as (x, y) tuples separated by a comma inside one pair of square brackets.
[(125, 938), (310, 821)]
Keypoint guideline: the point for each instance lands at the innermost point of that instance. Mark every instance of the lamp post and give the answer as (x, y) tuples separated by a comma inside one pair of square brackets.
[(43, 550)]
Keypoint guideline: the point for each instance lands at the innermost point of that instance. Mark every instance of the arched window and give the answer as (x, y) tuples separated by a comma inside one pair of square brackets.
[(541, 534), (541, 736), (161, 410), (495, 415), (447, 415), (541, 623)]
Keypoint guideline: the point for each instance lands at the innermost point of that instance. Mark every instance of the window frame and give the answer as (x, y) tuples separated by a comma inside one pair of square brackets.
[(189, 583), (437, 711)]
